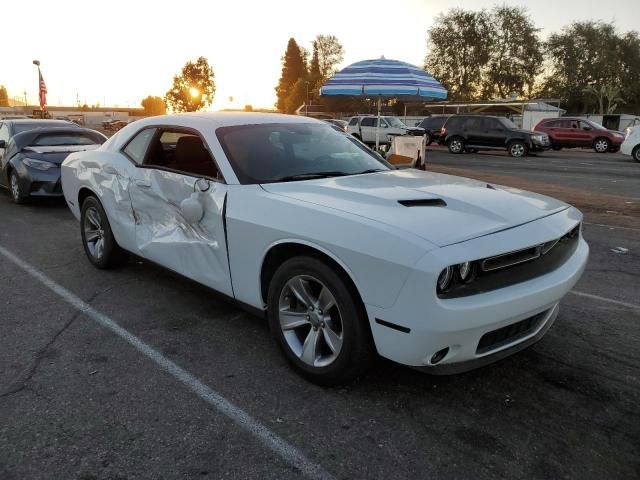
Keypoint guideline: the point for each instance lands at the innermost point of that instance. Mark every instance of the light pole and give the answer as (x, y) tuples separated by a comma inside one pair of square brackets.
[(306, 104)]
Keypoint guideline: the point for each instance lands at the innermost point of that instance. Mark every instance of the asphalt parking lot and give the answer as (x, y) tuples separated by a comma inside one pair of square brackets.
[(78, 401)]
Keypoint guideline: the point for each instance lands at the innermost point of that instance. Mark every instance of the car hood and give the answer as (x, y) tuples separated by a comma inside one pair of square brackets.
[(442, 209)]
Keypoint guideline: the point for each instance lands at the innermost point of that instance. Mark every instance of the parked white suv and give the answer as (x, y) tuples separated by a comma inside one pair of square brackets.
[(631, 144), (364, 128)]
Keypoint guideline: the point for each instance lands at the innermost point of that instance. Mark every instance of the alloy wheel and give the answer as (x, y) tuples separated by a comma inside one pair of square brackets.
[(601, 146), (455, 146), (15, 188), (310, 320), (517, 150), (94, 232)]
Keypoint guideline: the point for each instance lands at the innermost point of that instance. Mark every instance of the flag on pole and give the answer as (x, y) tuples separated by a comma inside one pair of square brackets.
[(42, 89)]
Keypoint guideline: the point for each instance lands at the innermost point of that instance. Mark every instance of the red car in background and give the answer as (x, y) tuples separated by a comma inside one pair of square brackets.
[(578, 132)]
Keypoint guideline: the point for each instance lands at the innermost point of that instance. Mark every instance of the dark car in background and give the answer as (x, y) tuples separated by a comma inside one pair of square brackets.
[(432, 127), (571, 132), (472, 133), (30, 159)]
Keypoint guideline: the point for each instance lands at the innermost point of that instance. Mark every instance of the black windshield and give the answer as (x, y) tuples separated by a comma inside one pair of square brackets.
[(266, 153)]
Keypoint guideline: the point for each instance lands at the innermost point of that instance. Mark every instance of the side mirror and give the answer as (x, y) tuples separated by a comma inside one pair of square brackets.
[(3, 144), (192, 209), (586, 128)]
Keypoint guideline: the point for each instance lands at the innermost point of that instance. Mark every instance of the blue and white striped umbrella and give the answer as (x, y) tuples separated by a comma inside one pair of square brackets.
[(384, 78)]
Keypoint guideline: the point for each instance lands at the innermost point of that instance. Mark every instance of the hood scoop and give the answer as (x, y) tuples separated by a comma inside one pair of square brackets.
[(423, 202)]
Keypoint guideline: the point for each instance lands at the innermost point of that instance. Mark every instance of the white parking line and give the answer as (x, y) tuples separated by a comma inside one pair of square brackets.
[(269, 439), (605, 299)]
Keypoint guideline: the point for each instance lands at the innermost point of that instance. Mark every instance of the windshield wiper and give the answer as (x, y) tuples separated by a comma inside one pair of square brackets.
[(311, 176), (371, 170)]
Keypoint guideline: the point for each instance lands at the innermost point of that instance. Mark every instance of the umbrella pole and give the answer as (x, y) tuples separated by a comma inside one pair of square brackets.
[(378, 125)]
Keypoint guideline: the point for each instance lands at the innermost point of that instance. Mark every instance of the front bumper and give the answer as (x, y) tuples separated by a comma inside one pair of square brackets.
[(40, 183), (432, 324)]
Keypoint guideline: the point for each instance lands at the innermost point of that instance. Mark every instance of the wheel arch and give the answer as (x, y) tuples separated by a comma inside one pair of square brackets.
[(85, 192), (283, 250)]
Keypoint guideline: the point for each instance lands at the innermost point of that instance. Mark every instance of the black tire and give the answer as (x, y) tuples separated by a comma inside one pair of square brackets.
[(428, 139), (601, 145), (356, 352), (636, 153), (517, 149), (557, 148), (456, 145), (110, 255), (17, 195)]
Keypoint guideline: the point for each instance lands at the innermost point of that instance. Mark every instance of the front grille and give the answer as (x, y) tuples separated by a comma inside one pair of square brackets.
[(505, 335)]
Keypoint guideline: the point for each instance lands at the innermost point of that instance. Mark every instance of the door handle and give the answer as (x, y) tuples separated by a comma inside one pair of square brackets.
[(143, 184)]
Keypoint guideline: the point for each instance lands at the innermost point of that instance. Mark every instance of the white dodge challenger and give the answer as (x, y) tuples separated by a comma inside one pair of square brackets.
[(347, 256)]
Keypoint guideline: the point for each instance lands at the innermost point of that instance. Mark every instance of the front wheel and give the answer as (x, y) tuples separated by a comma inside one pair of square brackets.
[(636, 153), (97, 238), (318, 322), (517, 149), (456, 145), (428, 139), (17, 195), (601, 145)]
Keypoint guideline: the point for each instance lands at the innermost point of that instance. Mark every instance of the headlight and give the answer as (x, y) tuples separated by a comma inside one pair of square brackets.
[(38, 164), (456, 274), (445, 279)]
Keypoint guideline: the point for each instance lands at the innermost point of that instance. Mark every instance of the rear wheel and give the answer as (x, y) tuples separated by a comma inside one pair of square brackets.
[(318, 322), (97, 238), (456, 145), (517, 149), (17, 195), (636, 153), (601, 145)]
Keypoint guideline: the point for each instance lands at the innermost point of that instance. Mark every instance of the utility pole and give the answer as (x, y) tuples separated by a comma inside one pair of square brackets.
[(25, 99)]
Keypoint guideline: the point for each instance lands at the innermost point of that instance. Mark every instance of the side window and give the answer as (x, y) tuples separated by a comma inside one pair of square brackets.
[(353, 121), (383, 123), (368, 122), (574, 124), (4, 133), (585, 125), (137, 146), (181, 151), (473, 123), (492, 124)]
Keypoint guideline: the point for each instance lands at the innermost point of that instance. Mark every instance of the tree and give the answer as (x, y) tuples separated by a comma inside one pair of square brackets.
[(329, 54), (458, 50), (294, 68), (605, 94), (4, 97), (515, 54), (153, 106), (315, 77), (193, 89), (591, 56), (297, 96)]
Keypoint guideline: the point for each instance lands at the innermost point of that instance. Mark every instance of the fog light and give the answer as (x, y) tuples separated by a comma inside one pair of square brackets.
[(439, 355)]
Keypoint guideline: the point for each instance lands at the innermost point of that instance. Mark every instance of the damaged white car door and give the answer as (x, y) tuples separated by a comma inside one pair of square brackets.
[(178, 201)]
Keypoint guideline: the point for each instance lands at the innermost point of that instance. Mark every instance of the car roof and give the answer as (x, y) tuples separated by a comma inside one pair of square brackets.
[(204, 120)]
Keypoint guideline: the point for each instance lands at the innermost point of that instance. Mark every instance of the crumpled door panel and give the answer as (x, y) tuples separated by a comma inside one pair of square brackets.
[(195, 250)]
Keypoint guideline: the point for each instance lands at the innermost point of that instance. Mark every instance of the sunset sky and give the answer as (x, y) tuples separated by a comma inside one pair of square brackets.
[(118, 52)]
